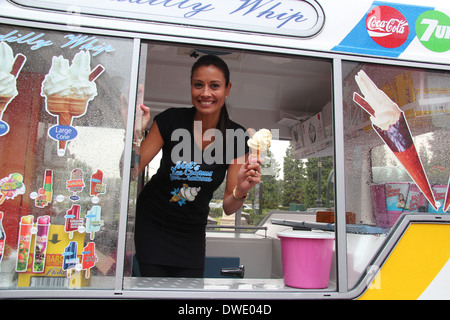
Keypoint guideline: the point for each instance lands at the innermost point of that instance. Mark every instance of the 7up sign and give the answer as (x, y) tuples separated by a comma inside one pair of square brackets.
[(433, 30)]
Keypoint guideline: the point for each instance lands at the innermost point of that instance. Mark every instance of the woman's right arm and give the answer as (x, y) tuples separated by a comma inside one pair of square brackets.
[(151, 145)]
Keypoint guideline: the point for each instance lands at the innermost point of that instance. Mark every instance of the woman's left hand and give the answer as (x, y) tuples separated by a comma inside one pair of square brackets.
[(249, 175)]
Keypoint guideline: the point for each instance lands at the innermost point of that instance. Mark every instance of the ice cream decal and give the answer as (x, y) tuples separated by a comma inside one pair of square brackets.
[(40, 243), (11, 187), (67, 90), (93, 221), (97, 187), (24, 243), (75, 184), (44, 196), (88, 258), (184, 194), (259, 142), (73, 221), (389, 122), (10, 67), (70, 260)]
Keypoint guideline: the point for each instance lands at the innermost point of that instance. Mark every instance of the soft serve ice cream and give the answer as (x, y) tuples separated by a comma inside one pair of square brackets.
[(7, 80), (69, 88), (260, 142), (10, 67), (386, 112), (70, 80)]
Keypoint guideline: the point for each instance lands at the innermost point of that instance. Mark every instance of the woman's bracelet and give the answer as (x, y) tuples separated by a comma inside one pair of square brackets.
[(239, 199)]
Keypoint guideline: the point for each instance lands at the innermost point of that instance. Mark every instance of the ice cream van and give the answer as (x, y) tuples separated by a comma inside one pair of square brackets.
[(354, 199)]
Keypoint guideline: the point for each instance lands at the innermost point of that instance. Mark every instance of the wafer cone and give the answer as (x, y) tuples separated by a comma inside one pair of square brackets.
[(4, 101), (255, 154), (398, 138), (65, 108)]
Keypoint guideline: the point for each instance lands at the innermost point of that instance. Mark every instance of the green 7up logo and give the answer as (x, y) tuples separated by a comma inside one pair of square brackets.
[(433, 30)]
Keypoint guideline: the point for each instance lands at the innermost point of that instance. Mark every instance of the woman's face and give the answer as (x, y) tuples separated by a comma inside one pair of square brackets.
[(209, 90)]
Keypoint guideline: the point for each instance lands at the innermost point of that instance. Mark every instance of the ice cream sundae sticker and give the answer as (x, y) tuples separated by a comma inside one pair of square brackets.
[(389, 122), (67, 90), (10, 68)]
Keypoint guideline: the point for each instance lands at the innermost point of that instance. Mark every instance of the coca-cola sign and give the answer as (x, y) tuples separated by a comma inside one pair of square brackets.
[(387, 26)]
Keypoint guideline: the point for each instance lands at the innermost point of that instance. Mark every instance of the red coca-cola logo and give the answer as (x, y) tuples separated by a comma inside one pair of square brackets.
[(387, 26)]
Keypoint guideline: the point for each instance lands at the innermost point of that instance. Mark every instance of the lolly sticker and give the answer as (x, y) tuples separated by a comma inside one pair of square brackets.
[(44, 196), (70, 260), (97, 186), (40, 243), (24, 241), (73, 221), (75, 184), (10, 68), (88, 258), (11, 187), (93, 221)]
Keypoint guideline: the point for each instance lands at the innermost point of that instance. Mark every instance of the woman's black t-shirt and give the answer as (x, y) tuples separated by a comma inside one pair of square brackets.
[(173, 207)]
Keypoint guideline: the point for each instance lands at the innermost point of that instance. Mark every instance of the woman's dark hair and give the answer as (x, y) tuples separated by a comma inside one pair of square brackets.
[(208, 60)]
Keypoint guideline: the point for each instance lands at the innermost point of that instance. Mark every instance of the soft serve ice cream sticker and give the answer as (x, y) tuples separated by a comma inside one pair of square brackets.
[(10, 67), (67, 90)]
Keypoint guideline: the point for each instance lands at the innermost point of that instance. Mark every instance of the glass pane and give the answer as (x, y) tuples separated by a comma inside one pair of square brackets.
[(396, 161), (292, 97), (61, 160)]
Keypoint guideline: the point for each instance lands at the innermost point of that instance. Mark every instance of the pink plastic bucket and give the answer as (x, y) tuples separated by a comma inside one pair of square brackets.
[(306, 257)]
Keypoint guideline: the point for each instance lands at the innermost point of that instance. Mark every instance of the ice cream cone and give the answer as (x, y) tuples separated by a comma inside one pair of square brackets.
[(255, 154), (4, 101), (175, 198), (65, 108), (398, 138)]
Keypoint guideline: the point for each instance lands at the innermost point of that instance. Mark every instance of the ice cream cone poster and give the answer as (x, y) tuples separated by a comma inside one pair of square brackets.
[(75, 184), (67, 90), (186, 193), (11, 187), (97, 186), (44, 196), (389, 122), (10, 67), (88, 258)]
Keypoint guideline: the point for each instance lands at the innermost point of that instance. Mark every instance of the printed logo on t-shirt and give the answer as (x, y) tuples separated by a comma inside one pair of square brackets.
[(184, 194), (184, 171)]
